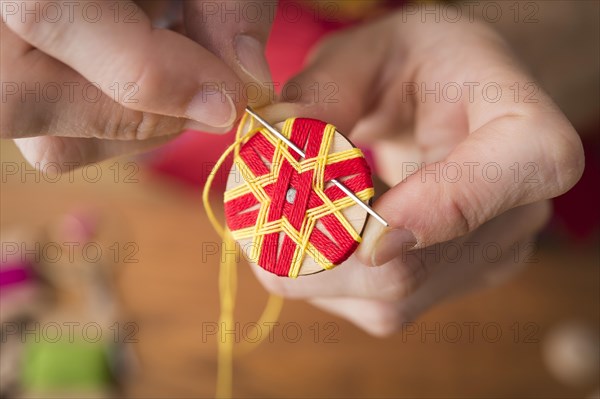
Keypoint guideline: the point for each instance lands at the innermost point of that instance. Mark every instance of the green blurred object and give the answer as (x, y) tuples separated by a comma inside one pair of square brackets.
[(66, 366)]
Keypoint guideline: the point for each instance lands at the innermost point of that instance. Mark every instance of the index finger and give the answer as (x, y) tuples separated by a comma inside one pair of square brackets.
[(113, 45)]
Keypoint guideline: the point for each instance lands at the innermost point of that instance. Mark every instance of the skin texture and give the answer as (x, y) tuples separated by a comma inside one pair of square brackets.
[(393, 277), (454, 222), (150, 83)]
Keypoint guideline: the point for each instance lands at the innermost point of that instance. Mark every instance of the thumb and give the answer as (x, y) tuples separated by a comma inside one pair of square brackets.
[(236, 31), (495, 169)]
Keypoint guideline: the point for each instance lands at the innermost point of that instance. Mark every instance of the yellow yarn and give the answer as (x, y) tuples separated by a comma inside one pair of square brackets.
[(228, 282), (256, 186), (227, 291)]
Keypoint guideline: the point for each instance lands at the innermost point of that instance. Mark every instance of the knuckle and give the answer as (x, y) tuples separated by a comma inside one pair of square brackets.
[(465, 208), (124, 125), (560, 156), (569, 160), (461, 215), (120, 123), (457, 210), (112, 126), (154, 125)]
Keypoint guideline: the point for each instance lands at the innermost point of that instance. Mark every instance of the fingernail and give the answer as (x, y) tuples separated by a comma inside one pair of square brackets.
[(390, 244), (201, 127), (250, 55), (191, 124), (213, 108)]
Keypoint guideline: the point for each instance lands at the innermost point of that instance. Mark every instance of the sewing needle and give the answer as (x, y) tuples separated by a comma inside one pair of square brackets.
[(298, 151)]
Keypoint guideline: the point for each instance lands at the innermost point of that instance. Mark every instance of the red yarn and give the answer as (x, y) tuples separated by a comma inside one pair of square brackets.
[(306, 133)]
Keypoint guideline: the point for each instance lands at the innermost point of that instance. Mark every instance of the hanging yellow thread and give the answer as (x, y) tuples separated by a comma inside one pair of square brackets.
[(227, 292), (228, 279)]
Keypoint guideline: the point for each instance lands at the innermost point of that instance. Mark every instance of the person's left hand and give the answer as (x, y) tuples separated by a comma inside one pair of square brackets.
[(85, 81), (491, 155)]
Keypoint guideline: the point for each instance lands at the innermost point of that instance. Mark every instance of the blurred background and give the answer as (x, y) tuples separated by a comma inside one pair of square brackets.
[(108, 277)]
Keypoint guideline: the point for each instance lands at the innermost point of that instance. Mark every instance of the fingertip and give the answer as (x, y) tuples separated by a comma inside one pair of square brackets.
[(381, 244), (373, 230), (213, 108), (392, 243)]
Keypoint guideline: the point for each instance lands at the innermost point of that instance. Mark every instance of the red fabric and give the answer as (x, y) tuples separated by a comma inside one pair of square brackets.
[(306, 133)]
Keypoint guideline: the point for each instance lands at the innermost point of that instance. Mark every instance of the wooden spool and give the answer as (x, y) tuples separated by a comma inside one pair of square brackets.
[(355, 215)]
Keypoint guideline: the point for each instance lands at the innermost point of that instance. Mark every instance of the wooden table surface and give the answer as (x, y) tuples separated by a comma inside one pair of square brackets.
[(171, 293)]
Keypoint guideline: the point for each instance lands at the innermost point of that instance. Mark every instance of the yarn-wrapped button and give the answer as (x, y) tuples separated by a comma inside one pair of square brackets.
[(284, 211)]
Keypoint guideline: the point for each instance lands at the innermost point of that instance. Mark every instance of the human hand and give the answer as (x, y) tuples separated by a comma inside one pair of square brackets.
[(83, 81), (493, 162)]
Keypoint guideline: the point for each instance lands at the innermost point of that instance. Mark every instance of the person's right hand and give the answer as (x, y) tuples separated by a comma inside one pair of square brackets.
[(449, 232), (83, 81)]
